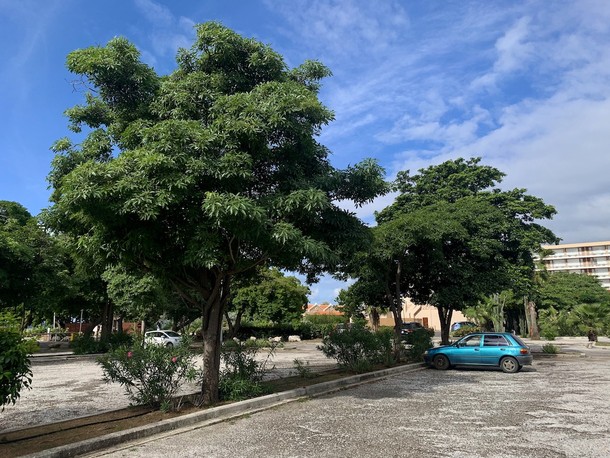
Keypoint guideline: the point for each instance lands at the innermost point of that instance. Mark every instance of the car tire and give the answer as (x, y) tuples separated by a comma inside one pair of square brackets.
[(441, 362), (509, 365), (169, 344)]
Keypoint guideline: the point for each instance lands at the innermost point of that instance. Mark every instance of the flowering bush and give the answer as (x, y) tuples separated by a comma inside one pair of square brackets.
[(151, 374)]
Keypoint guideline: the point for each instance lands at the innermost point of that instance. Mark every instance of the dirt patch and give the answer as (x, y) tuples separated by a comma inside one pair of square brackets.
[(36, 439)]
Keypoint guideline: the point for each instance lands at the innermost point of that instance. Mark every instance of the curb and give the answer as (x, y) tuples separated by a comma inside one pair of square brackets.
[(221, 413)]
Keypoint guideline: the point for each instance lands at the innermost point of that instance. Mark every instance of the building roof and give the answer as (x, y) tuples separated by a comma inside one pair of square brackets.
[(323, 309)]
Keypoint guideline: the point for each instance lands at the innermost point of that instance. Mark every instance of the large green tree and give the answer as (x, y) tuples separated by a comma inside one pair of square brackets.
[(572, 303), (34, 268), (451, 238), (270, 296), (566, 290), (208, 172)]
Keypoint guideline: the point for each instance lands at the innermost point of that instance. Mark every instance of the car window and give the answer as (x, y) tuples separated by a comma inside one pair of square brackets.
[(172, 334), (495, 341), (519, 341), (471, 341)]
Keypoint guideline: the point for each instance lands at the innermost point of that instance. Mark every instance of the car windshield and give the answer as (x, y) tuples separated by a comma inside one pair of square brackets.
[(172, 334)]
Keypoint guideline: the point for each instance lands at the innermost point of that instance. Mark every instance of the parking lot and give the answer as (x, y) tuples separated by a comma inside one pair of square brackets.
[(559, 407)]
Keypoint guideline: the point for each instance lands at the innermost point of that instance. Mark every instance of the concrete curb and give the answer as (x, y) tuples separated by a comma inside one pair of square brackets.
[(222, 413)]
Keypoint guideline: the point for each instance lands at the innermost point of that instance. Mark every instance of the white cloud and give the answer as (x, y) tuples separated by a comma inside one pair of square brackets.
[(166, 32)]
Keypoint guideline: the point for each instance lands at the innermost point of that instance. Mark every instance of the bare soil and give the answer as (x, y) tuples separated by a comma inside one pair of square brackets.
[(43, 437)]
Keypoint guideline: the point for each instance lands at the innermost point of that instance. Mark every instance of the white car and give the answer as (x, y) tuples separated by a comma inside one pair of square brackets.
[(163, 338)]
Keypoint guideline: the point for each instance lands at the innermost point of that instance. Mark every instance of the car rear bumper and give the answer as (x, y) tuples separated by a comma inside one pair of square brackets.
[(525, 360)]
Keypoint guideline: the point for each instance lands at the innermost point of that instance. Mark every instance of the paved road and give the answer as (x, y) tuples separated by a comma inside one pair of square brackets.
[(556, 408)]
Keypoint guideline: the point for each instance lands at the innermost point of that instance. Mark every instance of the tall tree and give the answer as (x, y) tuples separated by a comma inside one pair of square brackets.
[(34, 269), (451, 238), (203, 174)]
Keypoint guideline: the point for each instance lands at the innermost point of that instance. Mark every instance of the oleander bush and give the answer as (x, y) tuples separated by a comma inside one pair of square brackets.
[(151, 374)]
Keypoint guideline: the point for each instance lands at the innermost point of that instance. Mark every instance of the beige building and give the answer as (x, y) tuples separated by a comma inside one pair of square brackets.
[(582, 258), (427, 315)]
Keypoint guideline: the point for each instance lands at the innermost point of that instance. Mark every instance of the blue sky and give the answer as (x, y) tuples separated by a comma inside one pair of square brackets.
[(523, 84)]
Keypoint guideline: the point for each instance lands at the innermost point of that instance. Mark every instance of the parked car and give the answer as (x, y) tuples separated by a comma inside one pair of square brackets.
[(163, 338), (501, 349), (460, 324), (409, 327)]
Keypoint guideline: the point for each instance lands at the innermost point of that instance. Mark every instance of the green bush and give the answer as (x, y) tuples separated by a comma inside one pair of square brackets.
[(87, 344), (357, 348), (151, 374), (549, 332), (418, 342), (311, 327), (31, 346), (15, 372), (303, 368), (550, 349), (242, 375), (465, 330)]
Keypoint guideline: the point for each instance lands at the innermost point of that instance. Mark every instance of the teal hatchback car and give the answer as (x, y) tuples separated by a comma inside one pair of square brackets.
[(501, 349)]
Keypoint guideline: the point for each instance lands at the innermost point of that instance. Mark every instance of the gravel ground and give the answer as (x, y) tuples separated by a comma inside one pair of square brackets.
[(70, 388), (555, 408)]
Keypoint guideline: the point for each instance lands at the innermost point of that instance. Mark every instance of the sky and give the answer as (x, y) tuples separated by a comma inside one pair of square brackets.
[(525, 85)]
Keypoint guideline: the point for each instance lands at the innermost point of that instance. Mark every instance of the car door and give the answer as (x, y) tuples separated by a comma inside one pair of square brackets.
[(494, 347), (468, 350)]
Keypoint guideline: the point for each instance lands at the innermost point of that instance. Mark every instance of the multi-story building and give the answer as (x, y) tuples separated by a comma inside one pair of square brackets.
[(582, 258)]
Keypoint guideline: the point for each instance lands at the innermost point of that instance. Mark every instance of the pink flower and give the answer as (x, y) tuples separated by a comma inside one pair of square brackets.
[(174, 359), (129, 354)]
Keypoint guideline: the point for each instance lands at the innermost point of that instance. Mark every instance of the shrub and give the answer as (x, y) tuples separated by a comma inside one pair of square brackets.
[(87, 344), (242, 374), (465, 330), (550, 349), (151, 374), (549, 332), (358, 349), (418, 342), (302, 368), (15, 373)]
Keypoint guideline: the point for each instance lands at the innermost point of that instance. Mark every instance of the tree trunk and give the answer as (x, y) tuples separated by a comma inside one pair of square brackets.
[(497, 316), (107, 317), (531, 312), (211, 327), (210, 330), (444, 315), (234, 326), (374, 315)]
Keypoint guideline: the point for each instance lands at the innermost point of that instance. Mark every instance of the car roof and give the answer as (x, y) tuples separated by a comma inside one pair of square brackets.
[(493, 333)]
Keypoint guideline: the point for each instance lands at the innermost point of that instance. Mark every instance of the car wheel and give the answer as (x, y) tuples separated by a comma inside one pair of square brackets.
[(509, 364), (169, 344), (441, 362)]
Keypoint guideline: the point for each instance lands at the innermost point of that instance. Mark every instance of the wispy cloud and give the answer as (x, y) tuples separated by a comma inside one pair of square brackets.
[(166, 32), (525, 86)]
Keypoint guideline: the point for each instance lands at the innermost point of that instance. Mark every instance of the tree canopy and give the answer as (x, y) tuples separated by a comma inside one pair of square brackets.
[(268, 295), (450, 238), (205, 173)]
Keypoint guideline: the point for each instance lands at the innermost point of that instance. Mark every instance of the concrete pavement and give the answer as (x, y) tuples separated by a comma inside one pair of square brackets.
[(306, 351), (559, 407)]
